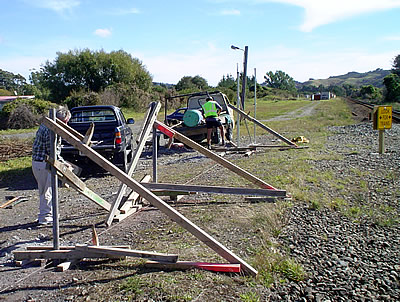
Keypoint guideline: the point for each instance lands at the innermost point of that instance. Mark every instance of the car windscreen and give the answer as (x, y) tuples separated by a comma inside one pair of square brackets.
[(85, 116)]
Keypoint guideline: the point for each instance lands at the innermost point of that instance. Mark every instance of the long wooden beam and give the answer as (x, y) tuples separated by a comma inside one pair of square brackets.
[(144, 134), (214, 189), (78, 184), (258, 123), (85, 251), (127, 252), (222, 161), (150, 197)]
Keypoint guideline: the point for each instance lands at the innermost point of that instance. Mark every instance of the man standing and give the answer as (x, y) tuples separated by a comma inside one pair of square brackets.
[(41, 149), (211, 111)]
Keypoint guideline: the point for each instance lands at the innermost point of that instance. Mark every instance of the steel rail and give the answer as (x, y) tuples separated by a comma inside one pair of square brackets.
[(395, 113)]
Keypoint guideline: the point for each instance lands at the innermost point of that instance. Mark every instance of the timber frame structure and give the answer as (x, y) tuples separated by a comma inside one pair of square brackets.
[(143, 189)]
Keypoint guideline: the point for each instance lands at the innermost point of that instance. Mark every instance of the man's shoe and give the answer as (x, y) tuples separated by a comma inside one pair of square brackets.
[(209, 147), (46, 221)]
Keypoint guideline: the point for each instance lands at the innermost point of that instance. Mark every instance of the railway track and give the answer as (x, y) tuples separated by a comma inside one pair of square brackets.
[(395, 113)]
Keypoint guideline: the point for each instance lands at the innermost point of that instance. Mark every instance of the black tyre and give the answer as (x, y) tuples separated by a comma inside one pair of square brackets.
[(121, 160)]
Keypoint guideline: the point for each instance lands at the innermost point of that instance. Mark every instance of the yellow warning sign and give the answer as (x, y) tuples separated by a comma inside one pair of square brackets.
[(382, 117)]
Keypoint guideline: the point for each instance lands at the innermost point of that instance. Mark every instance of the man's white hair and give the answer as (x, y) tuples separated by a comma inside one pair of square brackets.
[(62, 113)]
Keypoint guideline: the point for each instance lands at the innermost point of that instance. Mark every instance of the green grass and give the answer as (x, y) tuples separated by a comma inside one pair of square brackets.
[(17, 131), (250, 297), (15, 168)]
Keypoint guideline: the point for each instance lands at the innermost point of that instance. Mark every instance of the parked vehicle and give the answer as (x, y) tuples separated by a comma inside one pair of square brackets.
[(194, 125), (176, 116), (112, 135)]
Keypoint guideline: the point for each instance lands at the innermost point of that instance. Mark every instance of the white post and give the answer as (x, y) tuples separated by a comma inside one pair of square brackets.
[(255, 102), (238, 106)]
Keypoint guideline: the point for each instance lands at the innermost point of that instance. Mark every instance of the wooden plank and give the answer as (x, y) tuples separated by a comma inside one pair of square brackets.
[(63, 254), (257, 199), (88, 136), (69, 129), (214, 189), (172, 193), (148, 125), (10, 201), (183, 265), (30, 262), (127, 213), (227, 164), (62, 267), (67, 247), (153, 199), (273, 146), (78, 184), (132, 201), (234, 148), (129, 253), (258, 123)]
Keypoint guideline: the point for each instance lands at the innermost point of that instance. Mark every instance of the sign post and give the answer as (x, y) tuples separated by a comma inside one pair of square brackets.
[(382, 120)]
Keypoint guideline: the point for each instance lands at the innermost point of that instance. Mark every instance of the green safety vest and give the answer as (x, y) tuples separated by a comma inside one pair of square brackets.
[(210, 109)]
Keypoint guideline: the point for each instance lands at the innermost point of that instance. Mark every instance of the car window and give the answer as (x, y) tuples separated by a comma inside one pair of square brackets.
[(103, 115)]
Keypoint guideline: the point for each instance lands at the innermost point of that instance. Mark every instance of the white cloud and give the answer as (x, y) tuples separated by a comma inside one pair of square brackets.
[(121, 11), (103, 32), (321, 12), (387, 38), (23, 65), (230, 12), (58, 6)]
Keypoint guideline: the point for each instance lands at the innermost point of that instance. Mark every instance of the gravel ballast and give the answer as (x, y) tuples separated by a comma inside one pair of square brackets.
[(349, 259)]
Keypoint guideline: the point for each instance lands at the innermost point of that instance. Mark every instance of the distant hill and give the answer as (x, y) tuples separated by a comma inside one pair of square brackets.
[(374, 78)]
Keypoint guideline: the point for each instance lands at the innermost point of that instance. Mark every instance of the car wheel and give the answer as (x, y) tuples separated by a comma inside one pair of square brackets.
[(121, 160)]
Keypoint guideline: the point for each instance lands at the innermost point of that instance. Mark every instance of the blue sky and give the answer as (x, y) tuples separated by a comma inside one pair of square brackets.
[(176, 38)]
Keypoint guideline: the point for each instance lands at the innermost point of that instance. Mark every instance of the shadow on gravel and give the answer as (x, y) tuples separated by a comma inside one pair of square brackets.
[(71, 284), (18, 180)]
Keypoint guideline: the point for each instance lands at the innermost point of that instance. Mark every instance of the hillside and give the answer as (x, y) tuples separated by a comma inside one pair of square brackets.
[(374, 78)]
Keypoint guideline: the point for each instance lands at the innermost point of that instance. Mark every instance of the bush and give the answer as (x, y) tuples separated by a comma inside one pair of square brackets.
[(22, 117), (14, 115), (82, 98), (4, 92)]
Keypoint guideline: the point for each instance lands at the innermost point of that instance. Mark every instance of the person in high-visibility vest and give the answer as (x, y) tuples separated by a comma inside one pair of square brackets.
[(211, 110)]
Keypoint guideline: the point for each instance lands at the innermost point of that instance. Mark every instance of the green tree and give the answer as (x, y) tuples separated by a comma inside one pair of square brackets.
[(92, 71), (12, 82), (227, 81), (396, 65), (370, 92), (280, 80), (191, 83), (392, 85)]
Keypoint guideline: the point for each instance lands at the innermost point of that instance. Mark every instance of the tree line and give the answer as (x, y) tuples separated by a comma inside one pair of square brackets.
[(86, 77)]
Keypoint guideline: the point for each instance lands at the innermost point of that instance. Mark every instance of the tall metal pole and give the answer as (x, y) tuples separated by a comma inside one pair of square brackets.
[(255, 102), (246, 48), (238, 107), (54, 183)]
